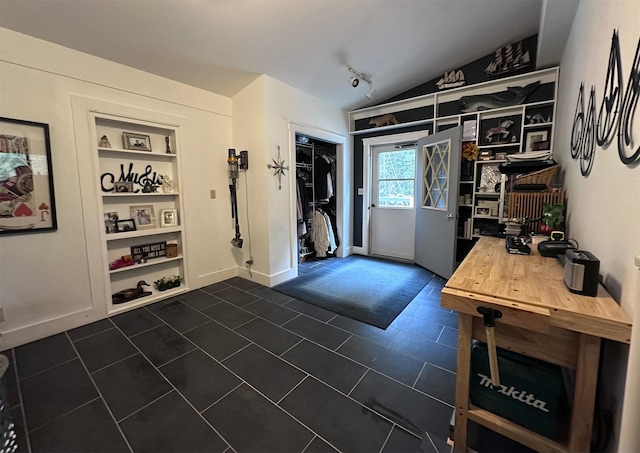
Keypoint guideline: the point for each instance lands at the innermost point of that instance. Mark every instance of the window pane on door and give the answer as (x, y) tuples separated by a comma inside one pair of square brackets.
[(435, 175), (396, 178), (396, 193)]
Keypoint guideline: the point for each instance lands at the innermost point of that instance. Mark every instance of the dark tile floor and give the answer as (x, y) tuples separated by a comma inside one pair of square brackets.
[(238, 367)]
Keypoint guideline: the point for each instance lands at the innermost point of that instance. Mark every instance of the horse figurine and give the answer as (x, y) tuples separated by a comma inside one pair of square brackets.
[(131, 293)]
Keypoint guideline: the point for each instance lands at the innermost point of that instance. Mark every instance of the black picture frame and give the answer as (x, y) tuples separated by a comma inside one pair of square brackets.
[(126, 225), (27, 197)]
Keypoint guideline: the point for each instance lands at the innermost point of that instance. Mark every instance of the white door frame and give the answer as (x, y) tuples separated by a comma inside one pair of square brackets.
[(367, 157), (343, 187)]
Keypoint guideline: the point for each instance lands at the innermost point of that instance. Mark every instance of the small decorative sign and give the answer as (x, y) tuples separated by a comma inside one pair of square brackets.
[(147, 251)]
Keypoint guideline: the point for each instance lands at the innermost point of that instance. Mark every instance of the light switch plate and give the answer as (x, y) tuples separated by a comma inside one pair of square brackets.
[(212, 193)]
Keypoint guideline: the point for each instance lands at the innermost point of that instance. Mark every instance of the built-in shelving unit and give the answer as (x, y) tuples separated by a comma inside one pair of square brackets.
[(445, 109), (498, 132), (154, 208)]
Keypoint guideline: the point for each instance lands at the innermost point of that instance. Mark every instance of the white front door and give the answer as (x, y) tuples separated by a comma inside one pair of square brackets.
[(392, 223), (438, 162)]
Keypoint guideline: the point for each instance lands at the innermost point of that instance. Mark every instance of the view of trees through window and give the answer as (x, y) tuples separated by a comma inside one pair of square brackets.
[(396, 173)]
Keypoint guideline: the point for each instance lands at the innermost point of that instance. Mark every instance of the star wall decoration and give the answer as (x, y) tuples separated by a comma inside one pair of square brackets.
[(279, 169)]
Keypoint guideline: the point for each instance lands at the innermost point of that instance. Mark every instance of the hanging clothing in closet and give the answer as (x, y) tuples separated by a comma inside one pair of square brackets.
[(323, 236), (302, 206), (323, 183)]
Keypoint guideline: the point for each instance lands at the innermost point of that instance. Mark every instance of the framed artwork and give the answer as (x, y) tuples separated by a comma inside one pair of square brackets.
[(533, 139), (27, 202), (483, 211), (168, 217), (110, 219), (123, 186), (490, 176), (136, 142), (144, 216), (125, 225)]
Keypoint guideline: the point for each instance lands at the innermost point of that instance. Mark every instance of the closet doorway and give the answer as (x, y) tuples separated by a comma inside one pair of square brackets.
[(318, 195)]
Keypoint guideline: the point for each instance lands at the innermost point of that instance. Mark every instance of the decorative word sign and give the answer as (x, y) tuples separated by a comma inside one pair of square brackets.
[(148, 178), (616, 113), (147, 251)]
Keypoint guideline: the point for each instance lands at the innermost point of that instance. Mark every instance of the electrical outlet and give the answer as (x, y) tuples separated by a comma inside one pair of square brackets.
[(212, 194)]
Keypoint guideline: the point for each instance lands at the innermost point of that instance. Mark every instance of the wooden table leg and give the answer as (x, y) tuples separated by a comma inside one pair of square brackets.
[(465, 323), (585, 392)]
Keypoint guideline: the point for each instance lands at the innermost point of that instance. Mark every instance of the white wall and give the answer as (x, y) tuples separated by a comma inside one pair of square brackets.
[(262, 115), (44, 281), (603, 208)]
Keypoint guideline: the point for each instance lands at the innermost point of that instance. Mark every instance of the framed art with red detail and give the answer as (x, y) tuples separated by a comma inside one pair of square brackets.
[(27, 202)]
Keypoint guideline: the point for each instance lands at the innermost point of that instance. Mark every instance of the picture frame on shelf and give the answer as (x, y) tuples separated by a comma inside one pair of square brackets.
[(490, 176), (500, 131), (125, 225), (480, 210), (144, 216), (27, 201), (533, 138), (541, 146), (123, 187), (110, 219), (501, 156), (137, 142), (168, 217)]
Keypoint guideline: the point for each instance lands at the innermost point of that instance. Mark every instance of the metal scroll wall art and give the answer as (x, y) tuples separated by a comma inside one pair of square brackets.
[(616, 113)]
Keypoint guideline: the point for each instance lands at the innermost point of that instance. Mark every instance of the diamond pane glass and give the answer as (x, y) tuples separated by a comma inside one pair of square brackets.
[(435, 179)]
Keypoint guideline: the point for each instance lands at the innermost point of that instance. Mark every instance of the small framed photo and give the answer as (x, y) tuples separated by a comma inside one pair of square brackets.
[(110, 219), (125, 225), (533, 138), (123, 187), (136, 142), (501, 156), (483, 211), (168, 217), (144, 216)]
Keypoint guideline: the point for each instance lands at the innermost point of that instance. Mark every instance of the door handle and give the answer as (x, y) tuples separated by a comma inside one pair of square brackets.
[(450, 216), (373, 205)]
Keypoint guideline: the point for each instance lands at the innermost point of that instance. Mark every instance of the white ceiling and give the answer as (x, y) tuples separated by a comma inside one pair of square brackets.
[(223, 45)]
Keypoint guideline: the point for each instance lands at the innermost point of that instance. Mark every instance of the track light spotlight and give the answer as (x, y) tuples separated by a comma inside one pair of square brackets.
[(355, 78)]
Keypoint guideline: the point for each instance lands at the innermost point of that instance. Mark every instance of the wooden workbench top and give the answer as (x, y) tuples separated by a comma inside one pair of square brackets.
[(534, 280)]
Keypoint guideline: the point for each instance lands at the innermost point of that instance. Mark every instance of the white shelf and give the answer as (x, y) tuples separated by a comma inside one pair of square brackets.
[(142, 233), (139, 194), (487, 194), (536, 125), (136, 152), (152, 262), (500, 145), (153, 297), (489, 217)]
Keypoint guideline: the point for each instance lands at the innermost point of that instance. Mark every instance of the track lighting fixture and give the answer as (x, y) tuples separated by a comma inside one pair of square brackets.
[(354, 80), (369, 95)]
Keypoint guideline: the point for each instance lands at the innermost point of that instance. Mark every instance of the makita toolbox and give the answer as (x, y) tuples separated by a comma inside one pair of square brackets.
[(532, 392)]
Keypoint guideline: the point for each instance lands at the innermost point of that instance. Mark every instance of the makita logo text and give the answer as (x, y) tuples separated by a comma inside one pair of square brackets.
[(524, 397)]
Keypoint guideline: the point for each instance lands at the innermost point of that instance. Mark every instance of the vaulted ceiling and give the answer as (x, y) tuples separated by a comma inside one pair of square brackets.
[(223, 45)]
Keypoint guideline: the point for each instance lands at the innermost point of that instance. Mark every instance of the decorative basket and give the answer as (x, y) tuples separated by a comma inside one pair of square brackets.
[(541, 177)]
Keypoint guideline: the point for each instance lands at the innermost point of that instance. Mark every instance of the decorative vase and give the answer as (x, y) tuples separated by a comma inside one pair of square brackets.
[(545, 229), (466, 170)]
